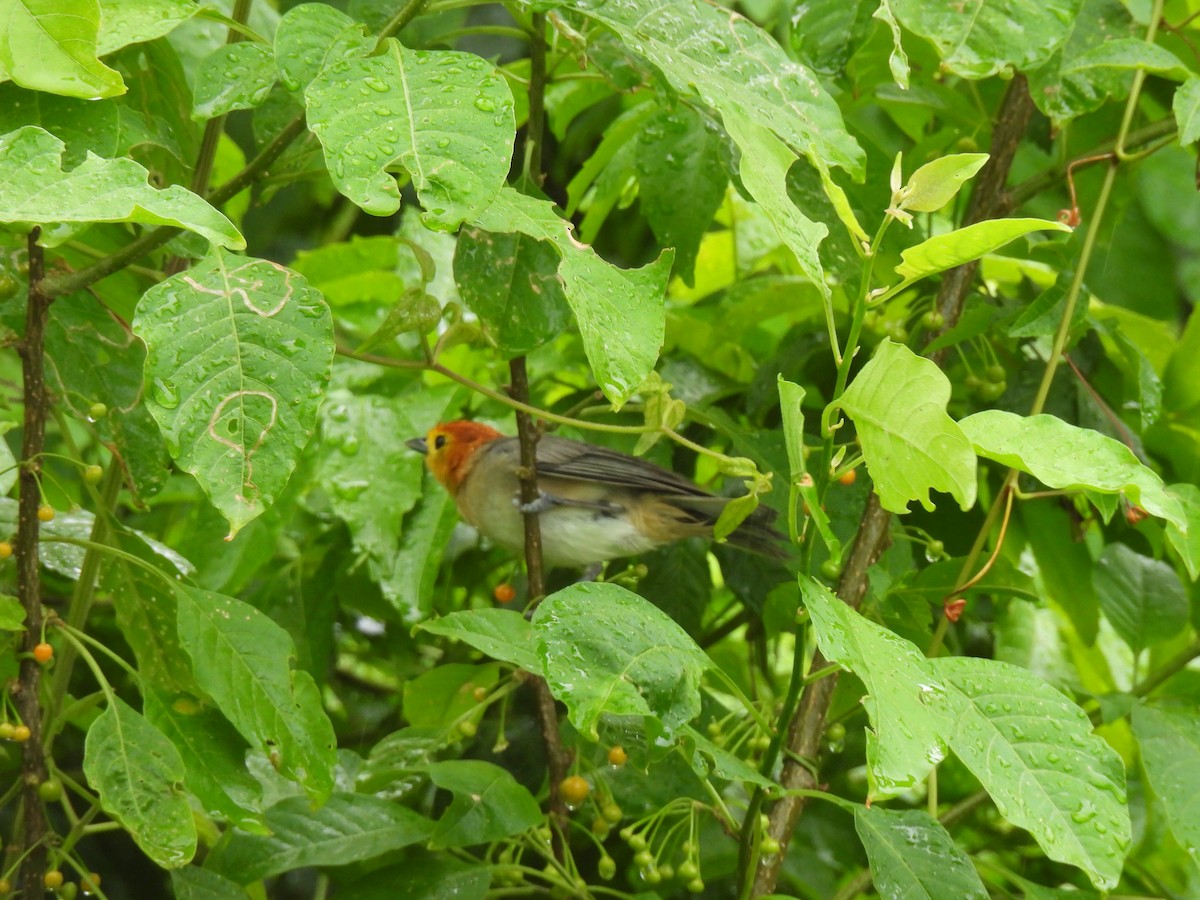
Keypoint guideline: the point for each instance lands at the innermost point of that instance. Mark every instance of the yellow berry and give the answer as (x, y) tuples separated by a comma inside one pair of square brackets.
[(53, 879), (5, 550), (45, 513)]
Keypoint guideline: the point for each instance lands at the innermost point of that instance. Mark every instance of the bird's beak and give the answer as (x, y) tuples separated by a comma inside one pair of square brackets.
[(417, 444)]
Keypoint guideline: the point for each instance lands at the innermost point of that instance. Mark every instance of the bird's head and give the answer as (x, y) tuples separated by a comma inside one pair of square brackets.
[(449, 448)]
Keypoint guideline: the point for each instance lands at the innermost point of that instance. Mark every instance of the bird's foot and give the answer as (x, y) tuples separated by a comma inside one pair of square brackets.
[(540, 505), (591, 573)]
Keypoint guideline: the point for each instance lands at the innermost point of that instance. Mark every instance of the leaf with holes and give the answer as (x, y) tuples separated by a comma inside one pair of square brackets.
[(239, 351)]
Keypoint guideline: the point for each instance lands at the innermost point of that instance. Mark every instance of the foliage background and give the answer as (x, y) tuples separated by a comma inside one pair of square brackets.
[(273, 242)]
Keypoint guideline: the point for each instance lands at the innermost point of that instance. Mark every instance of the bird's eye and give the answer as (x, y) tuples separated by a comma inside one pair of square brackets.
[(439, 442)]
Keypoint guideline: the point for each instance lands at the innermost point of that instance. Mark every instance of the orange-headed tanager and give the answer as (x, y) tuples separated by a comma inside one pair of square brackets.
[(595, 504)]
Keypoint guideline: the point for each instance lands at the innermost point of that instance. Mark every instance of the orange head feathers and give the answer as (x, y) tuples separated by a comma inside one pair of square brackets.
[(450, 447)]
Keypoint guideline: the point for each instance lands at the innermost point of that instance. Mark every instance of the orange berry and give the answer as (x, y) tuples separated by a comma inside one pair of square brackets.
[(21, 733), (617, 755), (45, 513), (5, 550), (43, 653), (574, 789), (954, 608), (504, 593), (848, 477)]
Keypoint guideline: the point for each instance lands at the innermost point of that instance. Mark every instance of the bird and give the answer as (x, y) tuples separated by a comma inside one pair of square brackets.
[(595, 504)]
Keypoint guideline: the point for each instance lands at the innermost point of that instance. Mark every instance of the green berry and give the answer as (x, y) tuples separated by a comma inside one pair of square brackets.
[(995, 373), (97, 411), (769, 846), (607, 868), (836, 732), (695, 886), (935, 548), (643, 859), (93, 474), (50, 790), (933, 320), (688, 870), (8, 287), (831, 569)]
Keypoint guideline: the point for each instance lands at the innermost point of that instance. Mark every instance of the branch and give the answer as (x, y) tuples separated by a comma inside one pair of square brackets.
[(557, 759), (29, 589), (988, 200)]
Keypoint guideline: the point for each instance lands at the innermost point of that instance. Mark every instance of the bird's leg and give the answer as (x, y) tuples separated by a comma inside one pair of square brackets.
[(540, 505), (592, 572)]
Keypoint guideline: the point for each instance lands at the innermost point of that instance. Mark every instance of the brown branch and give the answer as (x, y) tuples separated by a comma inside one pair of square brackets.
[(528, 433), (557, 760), (29, 589), (988, 200)]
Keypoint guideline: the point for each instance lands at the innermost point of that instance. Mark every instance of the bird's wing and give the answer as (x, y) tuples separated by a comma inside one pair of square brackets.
[(564, 458)]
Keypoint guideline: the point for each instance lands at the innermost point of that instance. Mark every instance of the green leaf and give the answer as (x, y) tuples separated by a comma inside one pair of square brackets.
[(1186, 541), (92, 356), (791, 403), (347, 829), (898, 404), (1181, 378), (195, 883), (945, 251), (34, 189), (239, 353), (145, 609), (425, 877), (1063, 92), (241, 659), (500, 633), (1132, 53), (139, 774), (913, 855), (735, 67), (12, 614), (1142, 597), (445, 117), (1036, 755), (8, 463), (511, 282), (763, 168), (709, 759), (1187, 111), (124, 22), (410, 578), (372, 479), (214, 759), (310, 37), (978, 38), (607, 651), (235, 76), (1169, 741), (903, 701), (898, 59), (1067, 457), (50, 45), (489, 804), (443, 695), (606, 300), (675, 147), (936, 183), (105, 127)]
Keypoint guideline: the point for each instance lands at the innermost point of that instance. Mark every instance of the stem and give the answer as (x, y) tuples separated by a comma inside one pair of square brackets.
[(406, 14), (29, 588)]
